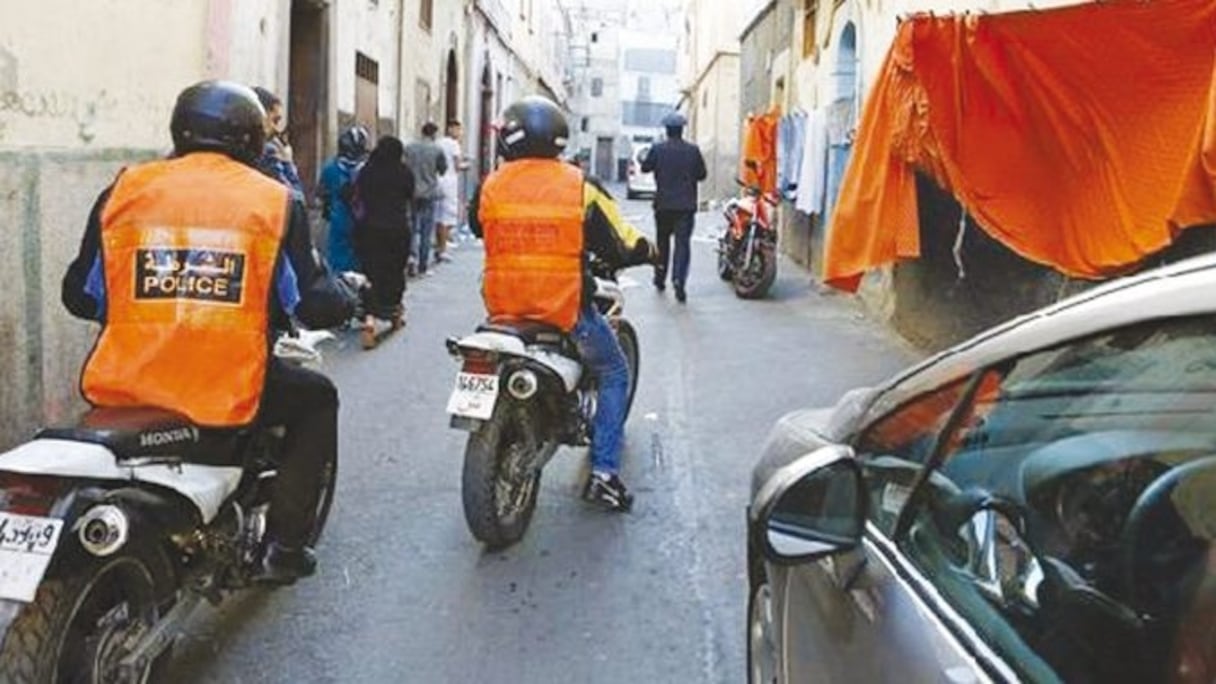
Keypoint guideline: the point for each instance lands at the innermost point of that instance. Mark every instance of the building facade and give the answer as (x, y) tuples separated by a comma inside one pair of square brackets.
[(710, 77), (650, 84), (835, 52)]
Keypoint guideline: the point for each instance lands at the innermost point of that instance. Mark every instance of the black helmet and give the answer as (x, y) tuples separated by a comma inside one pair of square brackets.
[(220, 116), (352, 144), (533, 128)]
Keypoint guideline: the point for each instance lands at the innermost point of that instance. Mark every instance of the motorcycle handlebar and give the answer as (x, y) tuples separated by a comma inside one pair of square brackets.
[(755, 191)]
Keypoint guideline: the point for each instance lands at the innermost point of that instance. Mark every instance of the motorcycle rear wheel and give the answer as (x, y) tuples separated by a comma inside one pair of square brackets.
[(76, 627), (498, 492)]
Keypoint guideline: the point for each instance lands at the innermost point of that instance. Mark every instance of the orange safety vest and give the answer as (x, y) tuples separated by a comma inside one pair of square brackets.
[(189, 247), (531, 212)]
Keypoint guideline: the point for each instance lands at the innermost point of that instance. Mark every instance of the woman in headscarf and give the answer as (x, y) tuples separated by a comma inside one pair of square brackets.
[(384, 189), (334, 191)]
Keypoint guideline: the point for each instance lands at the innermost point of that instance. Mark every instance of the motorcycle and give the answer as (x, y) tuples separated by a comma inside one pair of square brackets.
[(115, 529), (747, 249), (521, 392)]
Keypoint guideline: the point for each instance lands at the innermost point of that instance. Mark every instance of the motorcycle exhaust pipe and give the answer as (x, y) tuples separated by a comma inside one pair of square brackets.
[(522, 384), (104, 529)]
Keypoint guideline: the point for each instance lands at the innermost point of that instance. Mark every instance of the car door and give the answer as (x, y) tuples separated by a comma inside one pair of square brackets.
[(867, 615)]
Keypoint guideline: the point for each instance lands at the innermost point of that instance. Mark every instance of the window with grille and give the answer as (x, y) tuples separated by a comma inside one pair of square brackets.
[(366, 68)]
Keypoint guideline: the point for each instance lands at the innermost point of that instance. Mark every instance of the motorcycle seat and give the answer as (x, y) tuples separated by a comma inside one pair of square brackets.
[(150, 433), (531, 332)]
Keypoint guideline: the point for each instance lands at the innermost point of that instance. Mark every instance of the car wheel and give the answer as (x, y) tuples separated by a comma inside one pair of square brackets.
[(763, 659)]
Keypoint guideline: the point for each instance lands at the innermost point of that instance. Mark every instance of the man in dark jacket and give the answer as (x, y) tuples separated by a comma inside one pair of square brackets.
[(677, 166)]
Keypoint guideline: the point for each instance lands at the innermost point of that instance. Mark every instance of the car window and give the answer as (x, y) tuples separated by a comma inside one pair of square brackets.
[(1071, 520), (893, 450)]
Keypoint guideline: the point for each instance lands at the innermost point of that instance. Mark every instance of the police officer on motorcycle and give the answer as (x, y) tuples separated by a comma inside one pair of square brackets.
[(541, 218), (189, 264)]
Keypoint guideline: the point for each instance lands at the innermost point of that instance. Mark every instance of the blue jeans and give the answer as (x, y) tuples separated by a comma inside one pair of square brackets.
[(678, 224), (602, 353), (424, 232)]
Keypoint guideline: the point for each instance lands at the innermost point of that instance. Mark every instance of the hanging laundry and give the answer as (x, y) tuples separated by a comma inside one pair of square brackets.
[(791, 133), (812, 177), (1065, 132), (760, 149), (1197, 203)]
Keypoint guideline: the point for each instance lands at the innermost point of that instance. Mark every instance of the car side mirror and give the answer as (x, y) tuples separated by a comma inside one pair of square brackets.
[(813, 507)]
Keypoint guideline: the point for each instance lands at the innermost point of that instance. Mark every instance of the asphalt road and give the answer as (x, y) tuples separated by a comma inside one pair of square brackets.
[(404, 594)]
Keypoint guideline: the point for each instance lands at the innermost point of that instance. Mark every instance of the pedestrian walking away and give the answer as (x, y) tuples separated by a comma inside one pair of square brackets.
[(426, 160), (384, 190), (447, 215), (335, 191), (677, 166)]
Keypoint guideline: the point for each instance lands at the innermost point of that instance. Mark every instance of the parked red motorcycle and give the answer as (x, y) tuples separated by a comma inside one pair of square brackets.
[(747, 249)]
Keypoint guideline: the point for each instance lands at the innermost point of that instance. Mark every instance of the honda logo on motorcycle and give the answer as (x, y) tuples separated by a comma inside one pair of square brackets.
[(166, 437)]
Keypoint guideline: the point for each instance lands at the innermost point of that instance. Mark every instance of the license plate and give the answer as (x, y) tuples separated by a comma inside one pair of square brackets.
[(26, 546), (474, 395)]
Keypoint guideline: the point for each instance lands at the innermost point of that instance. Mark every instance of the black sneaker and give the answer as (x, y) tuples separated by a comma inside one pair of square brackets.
[(282, 565), (608, 490), (680, 296)]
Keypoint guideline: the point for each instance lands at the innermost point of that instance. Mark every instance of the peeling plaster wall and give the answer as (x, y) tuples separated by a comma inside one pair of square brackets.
[(123, 97), (45, 199), (85, 89)]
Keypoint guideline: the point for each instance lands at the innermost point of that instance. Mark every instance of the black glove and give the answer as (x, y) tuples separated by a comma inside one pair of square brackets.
[(644, 252)]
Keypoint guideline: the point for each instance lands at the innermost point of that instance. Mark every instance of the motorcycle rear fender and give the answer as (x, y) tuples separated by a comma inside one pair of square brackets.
[(568, 370), (205, 488)]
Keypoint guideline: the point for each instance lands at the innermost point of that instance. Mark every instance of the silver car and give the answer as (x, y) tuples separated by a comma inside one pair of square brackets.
[(1035, 504)]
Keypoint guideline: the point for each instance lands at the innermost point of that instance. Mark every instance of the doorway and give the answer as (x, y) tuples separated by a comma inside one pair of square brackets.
[(485, 123), (841, 117), (451, 98), (603, 157), (306, 88)]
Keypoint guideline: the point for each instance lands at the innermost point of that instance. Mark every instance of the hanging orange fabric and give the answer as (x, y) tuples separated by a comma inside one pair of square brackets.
[(189, 248), (1065, 133), (531, 212), (1197, 203), (760, 148)]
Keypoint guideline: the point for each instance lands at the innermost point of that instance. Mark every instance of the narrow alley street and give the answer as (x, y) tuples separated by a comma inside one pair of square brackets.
[(404, 593)]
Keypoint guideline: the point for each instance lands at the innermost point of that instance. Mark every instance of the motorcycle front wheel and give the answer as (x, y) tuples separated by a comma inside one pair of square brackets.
[(325, 499), (501, 477), (628, 339), (756, 277), (725, 272)]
